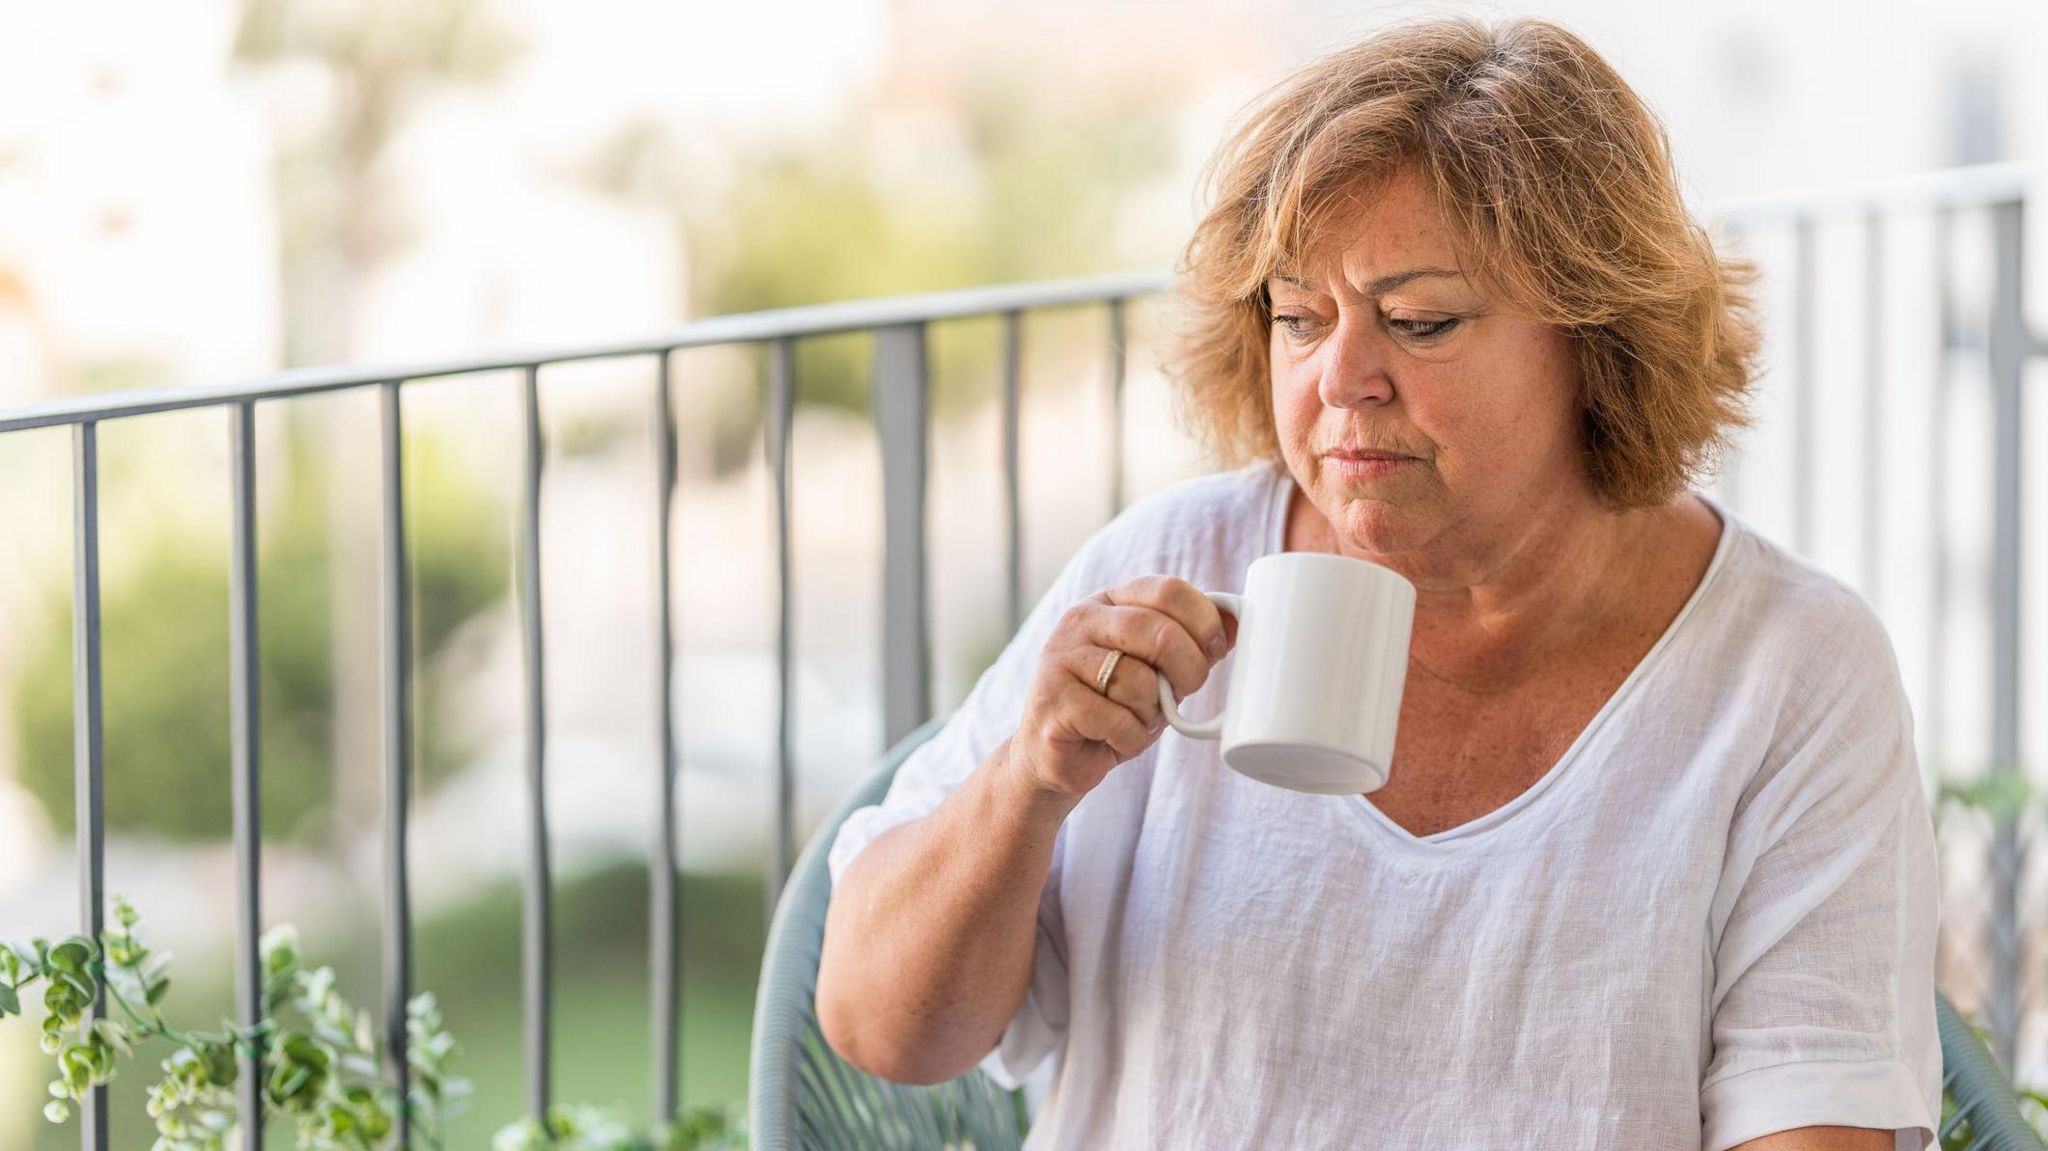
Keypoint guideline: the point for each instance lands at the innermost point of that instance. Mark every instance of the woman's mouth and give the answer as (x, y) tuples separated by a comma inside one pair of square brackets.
[(1363, 463)]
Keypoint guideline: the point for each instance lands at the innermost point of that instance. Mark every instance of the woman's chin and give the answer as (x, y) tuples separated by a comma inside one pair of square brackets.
[(1378, 527)]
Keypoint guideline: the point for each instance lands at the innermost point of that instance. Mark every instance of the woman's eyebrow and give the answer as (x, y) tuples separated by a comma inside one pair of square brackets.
[(1384, 284)]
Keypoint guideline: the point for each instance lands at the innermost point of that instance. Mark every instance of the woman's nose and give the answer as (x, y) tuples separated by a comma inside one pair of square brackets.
[(1355, 366)]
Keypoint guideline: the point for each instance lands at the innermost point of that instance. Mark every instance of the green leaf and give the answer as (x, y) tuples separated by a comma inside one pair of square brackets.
[(1997, 793), (280, 949), (73, 954), (219, 1061), (10, 1003), (114, 1035)]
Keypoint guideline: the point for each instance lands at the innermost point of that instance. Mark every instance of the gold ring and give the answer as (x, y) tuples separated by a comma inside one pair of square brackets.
[(1108, 669)]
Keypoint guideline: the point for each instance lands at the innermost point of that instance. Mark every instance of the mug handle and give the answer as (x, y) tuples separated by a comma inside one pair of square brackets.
[(1208, 728)]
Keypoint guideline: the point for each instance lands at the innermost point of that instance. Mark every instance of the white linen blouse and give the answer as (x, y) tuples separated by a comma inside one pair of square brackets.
[(1712, 919)]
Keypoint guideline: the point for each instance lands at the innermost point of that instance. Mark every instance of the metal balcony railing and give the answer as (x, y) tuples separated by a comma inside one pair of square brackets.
[(1992, 342), (901, 383), (900, 386)]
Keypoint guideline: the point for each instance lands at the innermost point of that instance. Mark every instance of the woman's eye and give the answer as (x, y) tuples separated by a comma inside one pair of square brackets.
[(1296, 326), (1301, 327), (1422, 329)]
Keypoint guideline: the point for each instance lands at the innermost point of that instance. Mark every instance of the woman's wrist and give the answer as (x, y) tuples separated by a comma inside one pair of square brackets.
[(1024, 791)]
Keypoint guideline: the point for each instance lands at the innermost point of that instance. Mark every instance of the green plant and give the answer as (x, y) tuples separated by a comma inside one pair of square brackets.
[(322, 1062), (322, 1066), (1999, 794)]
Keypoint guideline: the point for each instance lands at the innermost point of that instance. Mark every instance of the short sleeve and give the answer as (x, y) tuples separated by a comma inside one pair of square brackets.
[(1823, 993), (987, 717)]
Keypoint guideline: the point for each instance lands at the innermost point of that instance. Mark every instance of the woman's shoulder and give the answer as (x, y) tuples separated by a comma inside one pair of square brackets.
[(1223, 519), (1794, 595), (1803, 671), (1802, 633)]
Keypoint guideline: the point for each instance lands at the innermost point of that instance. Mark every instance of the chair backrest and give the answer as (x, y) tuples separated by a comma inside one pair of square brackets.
[(1979, 1108), (803, 1096)]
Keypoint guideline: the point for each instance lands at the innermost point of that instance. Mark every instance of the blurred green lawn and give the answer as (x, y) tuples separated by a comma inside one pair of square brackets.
[(469, 957)]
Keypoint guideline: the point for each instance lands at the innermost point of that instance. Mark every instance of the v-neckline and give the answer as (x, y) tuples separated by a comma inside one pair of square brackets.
[(1456, 834)]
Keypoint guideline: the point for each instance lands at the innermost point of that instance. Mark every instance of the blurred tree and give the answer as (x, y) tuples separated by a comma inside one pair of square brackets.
[(378, 61), (1006, 184), (375, 63), (166, 661)]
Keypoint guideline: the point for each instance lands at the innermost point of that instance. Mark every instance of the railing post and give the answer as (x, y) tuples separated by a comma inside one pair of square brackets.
[(1013, 501), (536, 926), (901, 381), (2009, 346), (1804, 342), (1733, 235), (1936, 719), (1117, 360), (776, 431), (1873, 404), (395, 633), (664, 915), (88, 764), (246, 756)]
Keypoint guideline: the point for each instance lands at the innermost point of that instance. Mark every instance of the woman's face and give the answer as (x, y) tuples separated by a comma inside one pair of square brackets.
[(1417, 410)]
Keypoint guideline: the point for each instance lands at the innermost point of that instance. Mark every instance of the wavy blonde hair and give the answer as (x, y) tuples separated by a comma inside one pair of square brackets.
[(1557, 182)]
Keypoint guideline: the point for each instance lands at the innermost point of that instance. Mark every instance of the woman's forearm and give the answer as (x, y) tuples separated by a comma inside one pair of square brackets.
[(929, 939)]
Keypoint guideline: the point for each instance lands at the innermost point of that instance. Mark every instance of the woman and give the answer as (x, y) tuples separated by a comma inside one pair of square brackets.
[(1653, 867)]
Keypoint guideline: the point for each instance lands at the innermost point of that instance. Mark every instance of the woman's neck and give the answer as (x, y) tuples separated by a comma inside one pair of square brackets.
[(1491, 613)]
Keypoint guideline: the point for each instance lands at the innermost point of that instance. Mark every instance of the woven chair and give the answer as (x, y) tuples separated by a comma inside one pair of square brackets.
[(803, 1097), (801, 1094), (1978, 1107)]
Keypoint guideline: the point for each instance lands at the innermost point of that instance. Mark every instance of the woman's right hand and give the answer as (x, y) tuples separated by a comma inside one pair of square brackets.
[(1071, 734)]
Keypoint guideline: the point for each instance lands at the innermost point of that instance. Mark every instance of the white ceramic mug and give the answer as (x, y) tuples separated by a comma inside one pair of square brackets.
[(1315, 690)]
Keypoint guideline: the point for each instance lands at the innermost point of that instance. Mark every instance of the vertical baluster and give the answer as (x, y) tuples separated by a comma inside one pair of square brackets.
[(88, 755), (1117, 359), (1804, 342), (1013, 502), (1734, 233), (2009, 344), (536, 935), (781, 408), (1937, 494), (395, 630), (1873, 403), (902, 382), (664, 913), (246, 755)]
